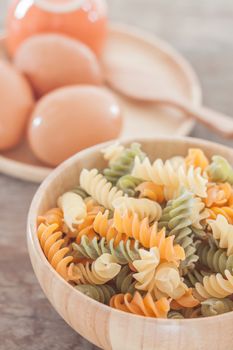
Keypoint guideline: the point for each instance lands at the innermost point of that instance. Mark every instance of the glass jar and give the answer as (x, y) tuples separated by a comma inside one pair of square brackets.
[(85, 20)]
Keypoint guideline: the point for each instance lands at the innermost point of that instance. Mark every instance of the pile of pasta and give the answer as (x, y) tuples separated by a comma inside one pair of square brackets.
[(148, 237)]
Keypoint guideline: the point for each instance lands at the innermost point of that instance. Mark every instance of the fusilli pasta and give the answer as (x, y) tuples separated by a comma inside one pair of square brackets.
[(177, 218), (223, 231), (220, 170), (152, 191), (74, 209), (105, 228), (52, 216), (197, 158), (128, 184), (122, 163), (142, 207), (99, 188), (215, 259), (112, 152), (144, 306), (123, 252), (148, 236), (175, 315), (227, 212), (102, 270), (218, 194), (214, 306), (80, 191), (173, 179), (101, 293), (125, 282), (215, 286), (51, 242), (161, 278)]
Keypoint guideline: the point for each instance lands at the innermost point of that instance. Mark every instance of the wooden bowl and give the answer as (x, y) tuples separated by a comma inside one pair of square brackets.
[(106, 327)]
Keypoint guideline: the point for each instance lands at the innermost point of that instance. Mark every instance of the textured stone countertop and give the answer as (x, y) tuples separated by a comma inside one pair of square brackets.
[(202, 31)]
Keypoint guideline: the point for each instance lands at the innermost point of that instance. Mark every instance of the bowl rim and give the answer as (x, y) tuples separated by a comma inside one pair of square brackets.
[(32, 216)]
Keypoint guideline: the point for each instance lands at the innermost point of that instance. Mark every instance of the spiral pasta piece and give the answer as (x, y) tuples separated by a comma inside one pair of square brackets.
[(102, 270), (215, 286), (216, 259), (125, 282), (194, 276), (74, 209), (148, 236), (80, 192), (198, 214), (220, 170), (197, 158), (86, 227), (112, 152), (101, 293), (222, 231), (173, 179), (175, 315), (93, 207), (52, 216), (85, 230), (214, 306), (105, 228), (144, 306), (128, 184), (144, 208), (177, 219), (146, 268), (168, 282), (51, 242), (123, 163), (185, 301), (150, 190), (158, 172), (218, 195), (227, 212), (123, 252), (99, 188), (192, 312), (161, 278)]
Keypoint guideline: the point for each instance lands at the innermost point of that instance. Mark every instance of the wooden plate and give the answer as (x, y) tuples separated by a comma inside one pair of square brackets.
[(127, 45)]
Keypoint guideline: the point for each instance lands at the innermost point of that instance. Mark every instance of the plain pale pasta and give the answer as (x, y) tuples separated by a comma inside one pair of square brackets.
[(216, 286), (74, 209), (223, 232), (142, 207), (96, 185), (112, 152)]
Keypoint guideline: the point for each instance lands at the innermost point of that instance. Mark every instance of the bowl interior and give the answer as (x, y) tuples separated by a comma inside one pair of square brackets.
[(64, 178)]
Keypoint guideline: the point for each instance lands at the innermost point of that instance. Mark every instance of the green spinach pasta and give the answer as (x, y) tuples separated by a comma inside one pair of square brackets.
[(147, 236)]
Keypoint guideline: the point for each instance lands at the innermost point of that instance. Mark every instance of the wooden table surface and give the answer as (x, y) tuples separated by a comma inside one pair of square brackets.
[(202, 31)]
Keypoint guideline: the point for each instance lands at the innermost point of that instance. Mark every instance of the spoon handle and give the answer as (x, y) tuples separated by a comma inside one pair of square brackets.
[(219, 122), (140, 86)]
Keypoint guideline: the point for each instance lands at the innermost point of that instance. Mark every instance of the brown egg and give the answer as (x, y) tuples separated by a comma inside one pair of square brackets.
[(71, 119), (51, 61), (16, 103)]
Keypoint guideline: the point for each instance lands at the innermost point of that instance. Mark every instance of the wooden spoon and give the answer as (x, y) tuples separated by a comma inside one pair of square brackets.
[(140, 85)]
